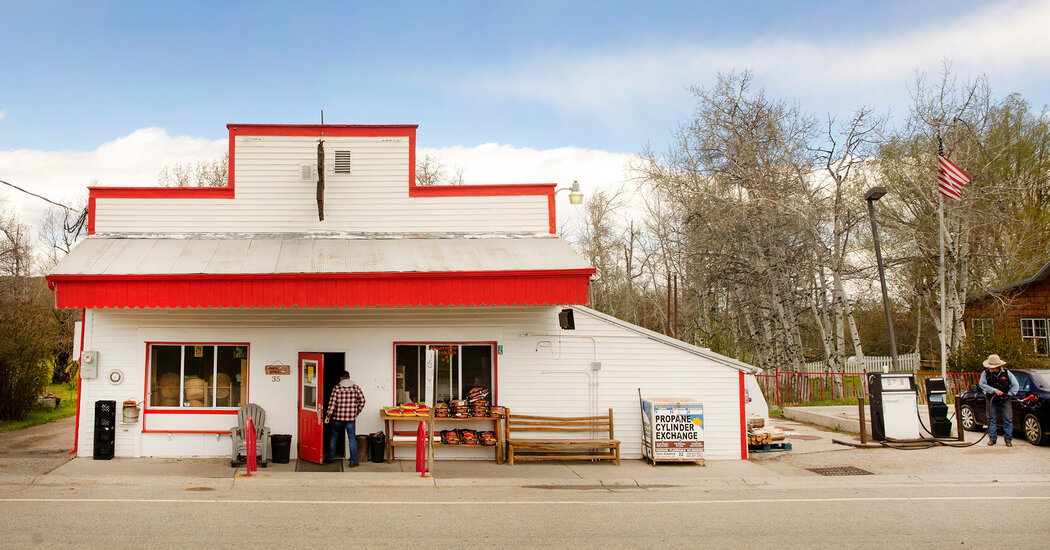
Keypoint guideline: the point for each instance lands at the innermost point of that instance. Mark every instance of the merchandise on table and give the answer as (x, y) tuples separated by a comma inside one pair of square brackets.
[(469, 437), (477, 393), (450, 437), (408, 409), (497, 412), (441, 410), (487, 438)]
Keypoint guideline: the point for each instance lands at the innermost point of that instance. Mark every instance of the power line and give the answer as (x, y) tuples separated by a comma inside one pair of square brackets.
[(75, 228), (37, 196)]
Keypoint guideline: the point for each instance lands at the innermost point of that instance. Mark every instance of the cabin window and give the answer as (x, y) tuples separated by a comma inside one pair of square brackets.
[(1034, 330), (198, 376), (458, 369), (982, 327)]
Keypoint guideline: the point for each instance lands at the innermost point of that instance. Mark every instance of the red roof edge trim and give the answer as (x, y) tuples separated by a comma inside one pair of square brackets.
[(52, 279), (506, 288)]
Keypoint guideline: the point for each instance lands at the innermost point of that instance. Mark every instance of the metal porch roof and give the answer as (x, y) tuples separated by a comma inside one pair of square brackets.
[(282, 271)]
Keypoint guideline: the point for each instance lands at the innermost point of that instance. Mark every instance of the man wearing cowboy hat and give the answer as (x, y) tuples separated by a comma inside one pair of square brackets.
[(998, 385)]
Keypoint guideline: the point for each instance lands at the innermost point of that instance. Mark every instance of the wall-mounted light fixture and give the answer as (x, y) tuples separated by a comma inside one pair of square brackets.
[(575, 195)]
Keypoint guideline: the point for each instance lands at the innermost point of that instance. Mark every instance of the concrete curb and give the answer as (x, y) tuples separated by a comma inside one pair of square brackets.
[(412, 480), (802, 414)]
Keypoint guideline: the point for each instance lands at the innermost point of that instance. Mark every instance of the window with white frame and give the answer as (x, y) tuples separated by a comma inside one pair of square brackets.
[(1033, 329), (982, 327), (198, 375)]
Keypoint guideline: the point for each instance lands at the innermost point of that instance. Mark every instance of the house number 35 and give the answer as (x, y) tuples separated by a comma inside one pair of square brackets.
[(275, 379)]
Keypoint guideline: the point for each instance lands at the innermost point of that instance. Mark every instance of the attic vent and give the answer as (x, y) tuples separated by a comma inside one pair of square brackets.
[(308, 172), (342, 161)]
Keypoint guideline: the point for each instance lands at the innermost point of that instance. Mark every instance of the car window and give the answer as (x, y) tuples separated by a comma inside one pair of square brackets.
[(1022, 381), (1043, 379)]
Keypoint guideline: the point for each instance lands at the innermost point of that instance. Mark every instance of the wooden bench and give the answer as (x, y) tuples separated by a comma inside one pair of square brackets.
[(563, 447)]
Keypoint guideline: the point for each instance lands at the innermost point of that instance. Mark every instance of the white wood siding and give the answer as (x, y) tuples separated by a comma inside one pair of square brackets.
[(272, 197), (547, 371)]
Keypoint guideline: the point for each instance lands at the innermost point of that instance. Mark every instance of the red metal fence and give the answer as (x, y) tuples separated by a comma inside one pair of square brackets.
[(785, 389)]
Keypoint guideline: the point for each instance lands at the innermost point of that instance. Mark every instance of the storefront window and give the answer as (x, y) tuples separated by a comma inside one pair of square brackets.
[(458, 368), (198, 375)]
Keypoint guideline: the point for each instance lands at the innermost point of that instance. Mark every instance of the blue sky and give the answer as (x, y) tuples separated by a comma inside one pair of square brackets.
[(594, 75), (109, 93)]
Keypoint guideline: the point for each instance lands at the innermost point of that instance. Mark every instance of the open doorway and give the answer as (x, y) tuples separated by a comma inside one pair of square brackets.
[(318, 375), (334, 365)]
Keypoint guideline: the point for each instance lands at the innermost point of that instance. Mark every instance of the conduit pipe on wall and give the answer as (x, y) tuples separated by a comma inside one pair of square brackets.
[(593, 392)]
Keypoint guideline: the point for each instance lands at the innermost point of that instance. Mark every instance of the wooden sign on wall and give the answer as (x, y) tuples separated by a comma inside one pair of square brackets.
[(278, 370)]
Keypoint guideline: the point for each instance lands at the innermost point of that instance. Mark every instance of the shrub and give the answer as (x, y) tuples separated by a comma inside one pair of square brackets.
[(1017, 353), (27, 339)]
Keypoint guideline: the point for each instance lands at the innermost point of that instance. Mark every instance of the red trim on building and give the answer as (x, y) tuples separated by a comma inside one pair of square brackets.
[(743, 418), (316, 130), (495, 361), (145, 431), (497, 288), (147, 411), (153, 192), (551, 213)]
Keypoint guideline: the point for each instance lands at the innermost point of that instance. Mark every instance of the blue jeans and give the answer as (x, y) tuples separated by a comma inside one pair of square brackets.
[(1003, 407), (351, 436)]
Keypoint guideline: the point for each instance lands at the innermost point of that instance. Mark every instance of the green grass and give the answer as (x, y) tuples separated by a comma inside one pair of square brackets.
[(42, 415)]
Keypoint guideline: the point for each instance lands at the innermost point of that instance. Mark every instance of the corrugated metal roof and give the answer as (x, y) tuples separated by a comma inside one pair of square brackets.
[(278, 255)]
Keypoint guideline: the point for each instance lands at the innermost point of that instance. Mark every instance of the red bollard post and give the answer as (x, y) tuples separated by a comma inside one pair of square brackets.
[(421, 449), (249, 446)]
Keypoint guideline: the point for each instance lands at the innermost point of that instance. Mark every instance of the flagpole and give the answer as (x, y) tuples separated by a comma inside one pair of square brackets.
[(940, 273)]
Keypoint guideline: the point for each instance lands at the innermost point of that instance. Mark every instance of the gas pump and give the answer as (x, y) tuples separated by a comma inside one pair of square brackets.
[(937, 404), (893, 405)]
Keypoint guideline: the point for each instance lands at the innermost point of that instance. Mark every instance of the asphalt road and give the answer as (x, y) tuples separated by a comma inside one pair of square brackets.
[(984, 515)]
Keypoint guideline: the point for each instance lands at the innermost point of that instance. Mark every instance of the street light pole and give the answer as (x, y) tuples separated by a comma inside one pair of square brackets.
[(874, 194)]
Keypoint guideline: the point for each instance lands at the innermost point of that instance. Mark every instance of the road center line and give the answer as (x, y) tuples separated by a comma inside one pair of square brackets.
[(527, 502)]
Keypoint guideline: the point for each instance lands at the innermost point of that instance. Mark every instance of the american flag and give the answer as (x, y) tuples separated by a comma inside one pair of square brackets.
[(950, 177)]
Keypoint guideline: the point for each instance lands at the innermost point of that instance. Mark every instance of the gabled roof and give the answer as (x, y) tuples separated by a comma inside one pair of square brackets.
[(300, 271), (706, 353), (1040, 275)]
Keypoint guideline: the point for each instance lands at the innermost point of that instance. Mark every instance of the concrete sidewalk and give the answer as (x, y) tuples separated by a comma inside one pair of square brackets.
[(813, 446)]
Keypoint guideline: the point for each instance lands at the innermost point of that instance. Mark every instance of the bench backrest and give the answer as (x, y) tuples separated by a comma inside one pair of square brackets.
[(554, 425)]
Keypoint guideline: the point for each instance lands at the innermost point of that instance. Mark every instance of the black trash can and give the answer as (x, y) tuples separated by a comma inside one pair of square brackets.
[(377, 447), (281, 448)]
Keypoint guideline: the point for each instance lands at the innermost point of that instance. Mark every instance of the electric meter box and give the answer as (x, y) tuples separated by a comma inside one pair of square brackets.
[(894, 405), (89, 364)]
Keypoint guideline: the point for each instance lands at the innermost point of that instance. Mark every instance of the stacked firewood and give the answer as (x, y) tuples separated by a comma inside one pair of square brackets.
[(757, 434)]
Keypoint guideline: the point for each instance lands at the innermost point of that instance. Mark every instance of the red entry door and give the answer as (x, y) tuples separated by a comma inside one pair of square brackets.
[(311, 407)]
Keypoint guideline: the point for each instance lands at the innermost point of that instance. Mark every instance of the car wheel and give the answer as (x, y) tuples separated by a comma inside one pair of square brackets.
[(1033, 430), (969, 421)]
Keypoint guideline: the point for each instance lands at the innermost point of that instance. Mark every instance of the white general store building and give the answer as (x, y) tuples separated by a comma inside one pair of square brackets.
[(200, 300)]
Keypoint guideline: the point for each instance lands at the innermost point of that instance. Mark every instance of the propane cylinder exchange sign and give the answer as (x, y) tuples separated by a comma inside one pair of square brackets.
[(676, 429)]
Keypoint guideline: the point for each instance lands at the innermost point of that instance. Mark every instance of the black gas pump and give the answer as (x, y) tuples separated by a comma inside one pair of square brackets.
[(936, 402)]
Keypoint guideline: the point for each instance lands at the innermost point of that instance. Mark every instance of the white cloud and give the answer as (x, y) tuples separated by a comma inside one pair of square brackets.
[(1007, 41), (62, 176), (3, 113)]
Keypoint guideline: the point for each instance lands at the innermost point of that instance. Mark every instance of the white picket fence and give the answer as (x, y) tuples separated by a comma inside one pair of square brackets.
[(908, 362)]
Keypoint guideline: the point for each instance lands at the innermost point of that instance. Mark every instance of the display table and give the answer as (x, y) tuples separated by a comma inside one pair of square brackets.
[(448, 423)]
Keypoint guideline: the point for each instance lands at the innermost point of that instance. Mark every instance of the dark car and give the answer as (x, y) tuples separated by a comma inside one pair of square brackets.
[(1031, 407)]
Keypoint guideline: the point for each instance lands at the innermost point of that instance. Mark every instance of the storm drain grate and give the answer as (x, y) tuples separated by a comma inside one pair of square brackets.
[(841, 471)]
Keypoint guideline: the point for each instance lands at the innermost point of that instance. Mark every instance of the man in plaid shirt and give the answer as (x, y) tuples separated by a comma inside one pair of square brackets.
[(344, 405)]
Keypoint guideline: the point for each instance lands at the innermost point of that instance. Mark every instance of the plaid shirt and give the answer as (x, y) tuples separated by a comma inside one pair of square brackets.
[(345, 403)]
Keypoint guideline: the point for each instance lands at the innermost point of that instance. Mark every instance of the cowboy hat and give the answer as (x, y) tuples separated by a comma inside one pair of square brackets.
[(993, 361)]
